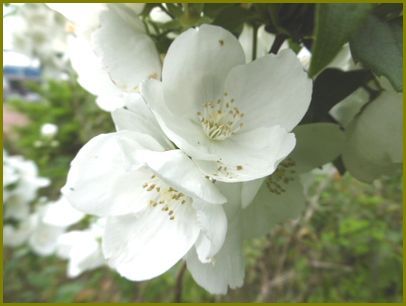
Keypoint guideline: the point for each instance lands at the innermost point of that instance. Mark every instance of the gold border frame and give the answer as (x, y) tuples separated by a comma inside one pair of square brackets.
[(227, 1)]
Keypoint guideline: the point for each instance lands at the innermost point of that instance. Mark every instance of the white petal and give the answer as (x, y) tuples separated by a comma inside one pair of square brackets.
[(196, 66), (91, 75), (144, 245), (136, 116), (158, 15), (136, 7), (213, 223), (343, 60), (84, 15), (269, 209), (248, 156), (186, 134), (273, 90), (104, 179), (81, 249), (226, 268), (304, 57), (374, 138), (232, 191), (249, 191), (178, 170), (347, 109), (43, 239), (316, 145), (62, 213), (127, 53)]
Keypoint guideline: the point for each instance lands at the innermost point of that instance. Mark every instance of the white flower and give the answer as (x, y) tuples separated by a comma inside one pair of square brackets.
[(49, 130), (254, 208), (43, 237), (14, 236), (31, 37), (20, 185), (226, 269), (42, 228), (10, 173), (112, 54), (82, 249), (16, 208), (157, 203), (234, 120)]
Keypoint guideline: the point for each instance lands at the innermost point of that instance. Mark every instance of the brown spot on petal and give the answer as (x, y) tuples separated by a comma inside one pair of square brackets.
[(221, 42), (153, 76)]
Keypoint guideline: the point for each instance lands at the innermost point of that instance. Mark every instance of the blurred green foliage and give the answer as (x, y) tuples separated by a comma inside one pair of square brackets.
[(73, 110)]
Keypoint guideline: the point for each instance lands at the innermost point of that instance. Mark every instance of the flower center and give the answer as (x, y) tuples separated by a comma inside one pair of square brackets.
[(220, 119), (165, 197)]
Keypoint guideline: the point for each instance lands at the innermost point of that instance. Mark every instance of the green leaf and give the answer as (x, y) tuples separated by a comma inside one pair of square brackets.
[(335, 23), (295, 21), (214, 9), (232, 19), (330, 87), (269, 209), (374, 139), (378, 45), (316, 145), (388, 10), (175, 9)]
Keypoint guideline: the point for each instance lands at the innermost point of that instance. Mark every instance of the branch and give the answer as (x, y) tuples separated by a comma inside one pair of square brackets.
[(277, 43), (177, 298), (254, 42)]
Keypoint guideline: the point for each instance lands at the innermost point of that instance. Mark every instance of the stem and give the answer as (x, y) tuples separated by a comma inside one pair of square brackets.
[(179, 284), (146, 27), (254, 42), (277, 43), (186, 9)]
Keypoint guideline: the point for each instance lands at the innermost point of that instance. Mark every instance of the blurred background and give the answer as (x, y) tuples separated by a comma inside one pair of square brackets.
[(346, 247)]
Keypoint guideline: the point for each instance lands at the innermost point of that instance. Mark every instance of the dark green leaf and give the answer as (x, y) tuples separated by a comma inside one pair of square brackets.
[(232, 19), (335, 23), (388, 10), (213, 9), (378, 45), (294, 20), (174, 9), (329, 88)]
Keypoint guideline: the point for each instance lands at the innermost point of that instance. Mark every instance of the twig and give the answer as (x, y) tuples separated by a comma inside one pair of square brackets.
[(254, 42), (297, 225), (277, 43), (179, 284), (329, 266)]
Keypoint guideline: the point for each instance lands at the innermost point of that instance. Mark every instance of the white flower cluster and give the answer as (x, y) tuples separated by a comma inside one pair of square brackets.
[(207, 152), (43, 226)]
